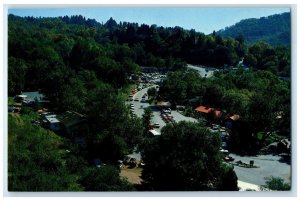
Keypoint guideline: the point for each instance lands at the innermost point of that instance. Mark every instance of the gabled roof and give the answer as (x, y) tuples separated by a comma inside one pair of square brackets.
[(70, 118), (33, 95), (203, 109), (218, 113), (154, 132), (235, 117)]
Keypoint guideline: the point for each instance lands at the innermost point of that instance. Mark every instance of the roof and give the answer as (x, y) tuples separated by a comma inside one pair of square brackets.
[(218, 113), (50, 115), (193, 100), (203, 109), (166, 104), (154, 132), (52, 120), (70, 118), (22, 96), (235, 117), (33, 95)]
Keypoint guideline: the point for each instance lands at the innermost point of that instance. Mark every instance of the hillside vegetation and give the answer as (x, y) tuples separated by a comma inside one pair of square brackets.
[(274, 29)]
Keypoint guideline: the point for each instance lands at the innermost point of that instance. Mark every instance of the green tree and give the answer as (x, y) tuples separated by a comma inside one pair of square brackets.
[(277, 184), (235, 102), (74, 96), (152, 92), (148, 114), (35, 160), (105, 178), (186, 157), (17, 69)]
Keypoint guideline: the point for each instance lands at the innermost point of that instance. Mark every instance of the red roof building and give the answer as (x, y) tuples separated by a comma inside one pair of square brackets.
[(218, 113), (203, 109)]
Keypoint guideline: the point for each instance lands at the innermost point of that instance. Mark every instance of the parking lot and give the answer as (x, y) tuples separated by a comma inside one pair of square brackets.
[(267, 165)]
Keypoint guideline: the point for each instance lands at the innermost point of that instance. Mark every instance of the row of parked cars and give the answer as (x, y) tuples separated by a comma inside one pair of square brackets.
[(224, 135), (132, 110)]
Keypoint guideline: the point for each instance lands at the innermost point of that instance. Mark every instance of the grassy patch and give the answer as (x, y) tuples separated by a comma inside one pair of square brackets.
[(259, 135), (11, 101)]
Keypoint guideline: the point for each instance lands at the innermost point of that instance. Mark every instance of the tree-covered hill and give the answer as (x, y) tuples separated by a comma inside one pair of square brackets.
[(274, 29)]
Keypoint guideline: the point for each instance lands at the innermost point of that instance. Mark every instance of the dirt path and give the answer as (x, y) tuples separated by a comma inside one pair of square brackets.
[(133, 175)]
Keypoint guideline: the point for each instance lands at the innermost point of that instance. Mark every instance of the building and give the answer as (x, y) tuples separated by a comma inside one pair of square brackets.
[(71, 121), (204, 110), (33, 95), (230, 119), (20, 98), (153, 133), (51, 122), (75, 126)]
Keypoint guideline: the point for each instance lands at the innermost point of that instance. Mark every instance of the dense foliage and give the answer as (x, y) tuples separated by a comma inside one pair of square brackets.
[(47, 51), (262, 56), (40, 160), (258, 97), (35, 160), (186, 157), (274, 29)]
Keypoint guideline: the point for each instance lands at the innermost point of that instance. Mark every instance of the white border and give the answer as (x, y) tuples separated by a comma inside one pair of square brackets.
[(295, 109)]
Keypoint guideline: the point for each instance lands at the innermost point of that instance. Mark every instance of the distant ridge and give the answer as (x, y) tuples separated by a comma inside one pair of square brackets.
[(274, 29)]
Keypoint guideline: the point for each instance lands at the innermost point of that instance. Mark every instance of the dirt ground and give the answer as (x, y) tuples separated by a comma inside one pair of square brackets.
[(132, 174)]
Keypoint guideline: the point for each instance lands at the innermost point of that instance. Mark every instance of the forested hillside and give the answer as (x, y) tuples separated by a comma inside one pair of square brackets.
[(112, 51), (274, 29)]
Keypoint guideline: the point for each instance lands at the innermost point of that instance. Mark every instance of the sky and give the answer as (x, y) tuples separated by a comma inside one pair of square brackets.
[(202, 19)]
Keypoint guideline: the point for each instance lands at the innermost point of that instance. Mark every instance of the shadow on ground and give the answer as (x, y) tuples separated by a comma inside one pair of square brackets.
[(285, 158)]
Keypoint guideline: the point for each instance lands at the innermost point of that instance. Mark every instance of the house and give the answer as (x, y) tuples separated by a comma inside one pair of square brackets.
[(204, 110), (71, 121), (153, 133), (75, 126), (217, 113), (20, 98), (230, 119), (33, 95), (50, 121)]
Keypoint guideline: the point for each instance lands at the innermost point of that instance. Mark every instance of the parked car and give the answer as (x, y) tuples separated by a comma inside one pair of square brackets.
[(136, 99), (228, 158), (156, 125)]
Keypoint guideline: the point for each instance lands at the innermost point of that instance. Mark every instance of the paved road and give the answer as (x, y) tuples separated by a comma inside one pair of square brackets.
[(139, 110), (269, 165), (202, 71)]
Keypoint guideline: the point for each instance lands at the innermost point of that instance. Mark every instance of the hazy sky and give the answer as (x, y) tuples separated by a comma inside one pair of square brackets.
[(201, 19)]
